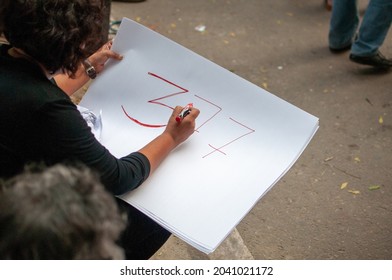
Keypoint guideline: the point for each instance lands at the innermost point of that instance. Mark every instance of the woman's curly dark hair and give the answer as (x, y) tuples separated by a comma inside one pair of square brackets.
[(57, 33)]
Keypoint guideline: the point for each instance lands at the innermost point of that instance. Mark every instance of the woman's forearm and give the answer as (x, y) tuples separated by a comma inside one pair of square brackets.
[(175, 133)]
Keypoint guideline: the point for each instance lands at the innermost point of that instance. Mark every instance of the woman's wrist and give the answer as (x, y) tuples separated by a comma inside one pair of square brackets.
[(89, 69)]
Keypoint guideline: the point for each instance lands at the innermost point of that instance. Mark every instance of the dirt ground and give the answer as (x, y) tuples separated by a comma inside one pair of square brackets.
[(336, 201)]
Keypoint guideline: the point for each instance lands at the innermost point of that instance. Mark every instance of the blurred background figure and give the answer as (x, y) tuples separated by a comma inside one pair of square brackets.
[(58, 213), (364, 42), (328, 4)]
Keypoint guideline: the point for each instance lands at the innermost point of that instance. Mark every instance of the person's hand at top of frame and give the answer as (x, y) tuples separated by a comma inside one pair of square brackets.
[(101, 56)]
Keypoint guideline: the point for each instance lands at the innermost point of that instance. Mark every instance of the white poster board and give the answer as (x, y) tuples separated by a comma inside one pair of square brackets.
[(246, 138)]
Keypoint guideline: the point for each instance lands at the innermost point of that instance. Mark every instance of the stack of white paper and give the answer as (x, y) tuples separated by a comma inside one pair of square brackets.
[(246, 137)]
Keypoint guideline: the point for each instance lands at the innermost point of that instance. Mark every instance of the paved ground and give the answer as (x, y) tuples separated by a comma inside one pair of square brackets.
[(282, 46)]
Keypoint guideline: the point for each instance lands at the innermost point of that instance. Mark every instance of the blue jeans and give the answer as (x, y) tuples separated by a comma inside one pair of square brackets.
[(372, 31)]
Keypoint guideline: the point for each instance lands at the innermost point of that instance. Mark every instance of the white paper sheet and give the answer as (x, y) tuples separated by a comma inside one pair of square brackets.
[(246, 137)]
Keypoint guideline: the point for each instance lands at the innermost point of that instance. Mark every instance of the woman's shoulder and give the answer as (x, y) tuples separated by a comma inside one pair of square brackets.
[(20, 89)]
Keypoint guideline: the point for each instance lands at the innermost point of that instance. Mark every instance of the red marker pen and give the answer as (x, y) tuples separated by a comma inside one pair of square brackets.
[(185, 111)]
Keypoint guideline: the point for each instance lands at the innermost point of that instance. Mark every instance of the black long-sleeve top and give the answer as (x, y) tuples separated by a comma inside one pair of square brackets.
[(39, 123)]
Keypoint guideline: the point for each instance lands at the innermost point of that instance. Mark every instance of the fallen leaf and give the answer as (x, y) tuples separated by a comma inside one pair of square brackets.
[(344, 185), (263, 70), (354, 192), (374, 187), (328, 159), (357, 159), (380, 120), (368, 101)]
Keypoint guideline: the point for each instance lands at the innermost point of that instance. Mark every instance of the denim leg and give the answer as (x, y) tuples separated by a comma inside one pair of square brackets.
[(343, 23), (374, 28)]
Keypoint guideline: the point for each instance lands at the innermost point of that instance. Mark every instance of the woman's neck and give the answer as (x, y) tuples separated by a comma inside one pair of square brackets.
[(18, 53)]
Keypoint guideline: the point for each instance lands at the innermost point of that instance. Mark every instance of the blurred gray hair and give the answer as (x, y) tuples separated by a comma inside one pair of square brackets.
[(62, 212)]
